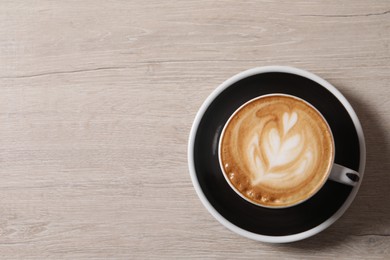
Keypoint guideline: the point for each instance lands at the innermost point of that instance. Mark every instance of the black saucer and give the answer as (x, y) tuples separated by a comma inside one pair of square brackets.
[(255, 219)]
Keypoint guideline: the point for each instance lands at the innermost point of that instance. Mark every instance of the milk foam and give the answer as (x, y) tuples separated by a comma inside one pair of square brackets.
[(286, 154), (276, 150)]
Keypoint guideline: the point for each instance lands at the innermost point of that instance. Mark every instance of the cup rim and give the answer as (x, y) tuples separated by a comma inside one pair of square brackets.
[(216, 93), (329, 166)]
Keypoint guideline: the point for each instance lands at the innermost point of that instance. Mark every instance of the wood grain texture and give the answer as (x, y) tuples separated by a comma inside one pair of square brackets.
[(96, 103)]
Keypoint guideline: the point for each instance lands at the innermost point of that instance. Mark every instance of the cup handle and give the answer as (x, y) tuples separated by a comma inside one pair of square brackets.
[(344, 175)]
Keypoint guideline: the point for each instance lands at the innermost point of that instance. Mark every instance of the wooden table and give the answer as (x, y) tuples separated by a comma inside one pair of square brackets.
[(96, 103)]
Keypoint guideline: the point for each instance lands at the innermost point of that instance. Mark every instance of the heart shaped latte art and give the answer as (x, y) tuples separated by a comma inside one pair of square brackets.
[(279, 153), (289, 121)]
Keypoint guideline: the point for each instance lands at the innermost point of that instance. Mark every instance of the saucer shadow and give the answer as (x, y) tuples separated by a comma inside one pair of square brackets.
[(369, 214)]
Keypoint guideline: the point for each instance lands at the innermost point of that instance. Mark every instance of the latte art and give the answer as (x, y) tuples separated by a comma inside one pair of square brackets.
[(283, 156), (276, 150)]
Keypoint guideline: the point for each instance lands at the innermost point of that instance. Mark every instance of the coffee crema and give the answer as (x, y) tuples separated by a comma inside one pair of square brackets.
[(276, 151)]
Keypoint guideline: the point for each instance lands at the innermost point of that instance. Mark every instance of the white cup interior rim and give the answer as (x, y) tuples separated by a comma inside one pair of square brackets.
[(329, 169)]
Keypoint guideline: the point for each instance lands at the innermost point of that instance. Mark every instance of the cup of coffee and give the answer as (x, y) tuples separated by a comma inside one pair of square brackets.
[(277, 151), (276, 154)]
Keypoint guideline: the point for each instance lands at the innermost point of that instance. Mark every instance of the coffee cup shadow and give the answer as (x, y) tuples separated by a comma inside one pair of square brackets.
[(369, 214)]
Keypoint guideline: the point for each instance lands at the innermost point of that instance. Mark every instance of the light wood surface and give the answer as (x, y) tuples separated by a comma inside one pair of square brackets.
[(96, 103)]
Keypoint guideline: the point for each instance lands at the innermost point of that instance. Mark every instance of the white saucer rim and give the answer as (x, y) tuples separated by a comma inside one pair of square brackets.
[(216, 214)]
